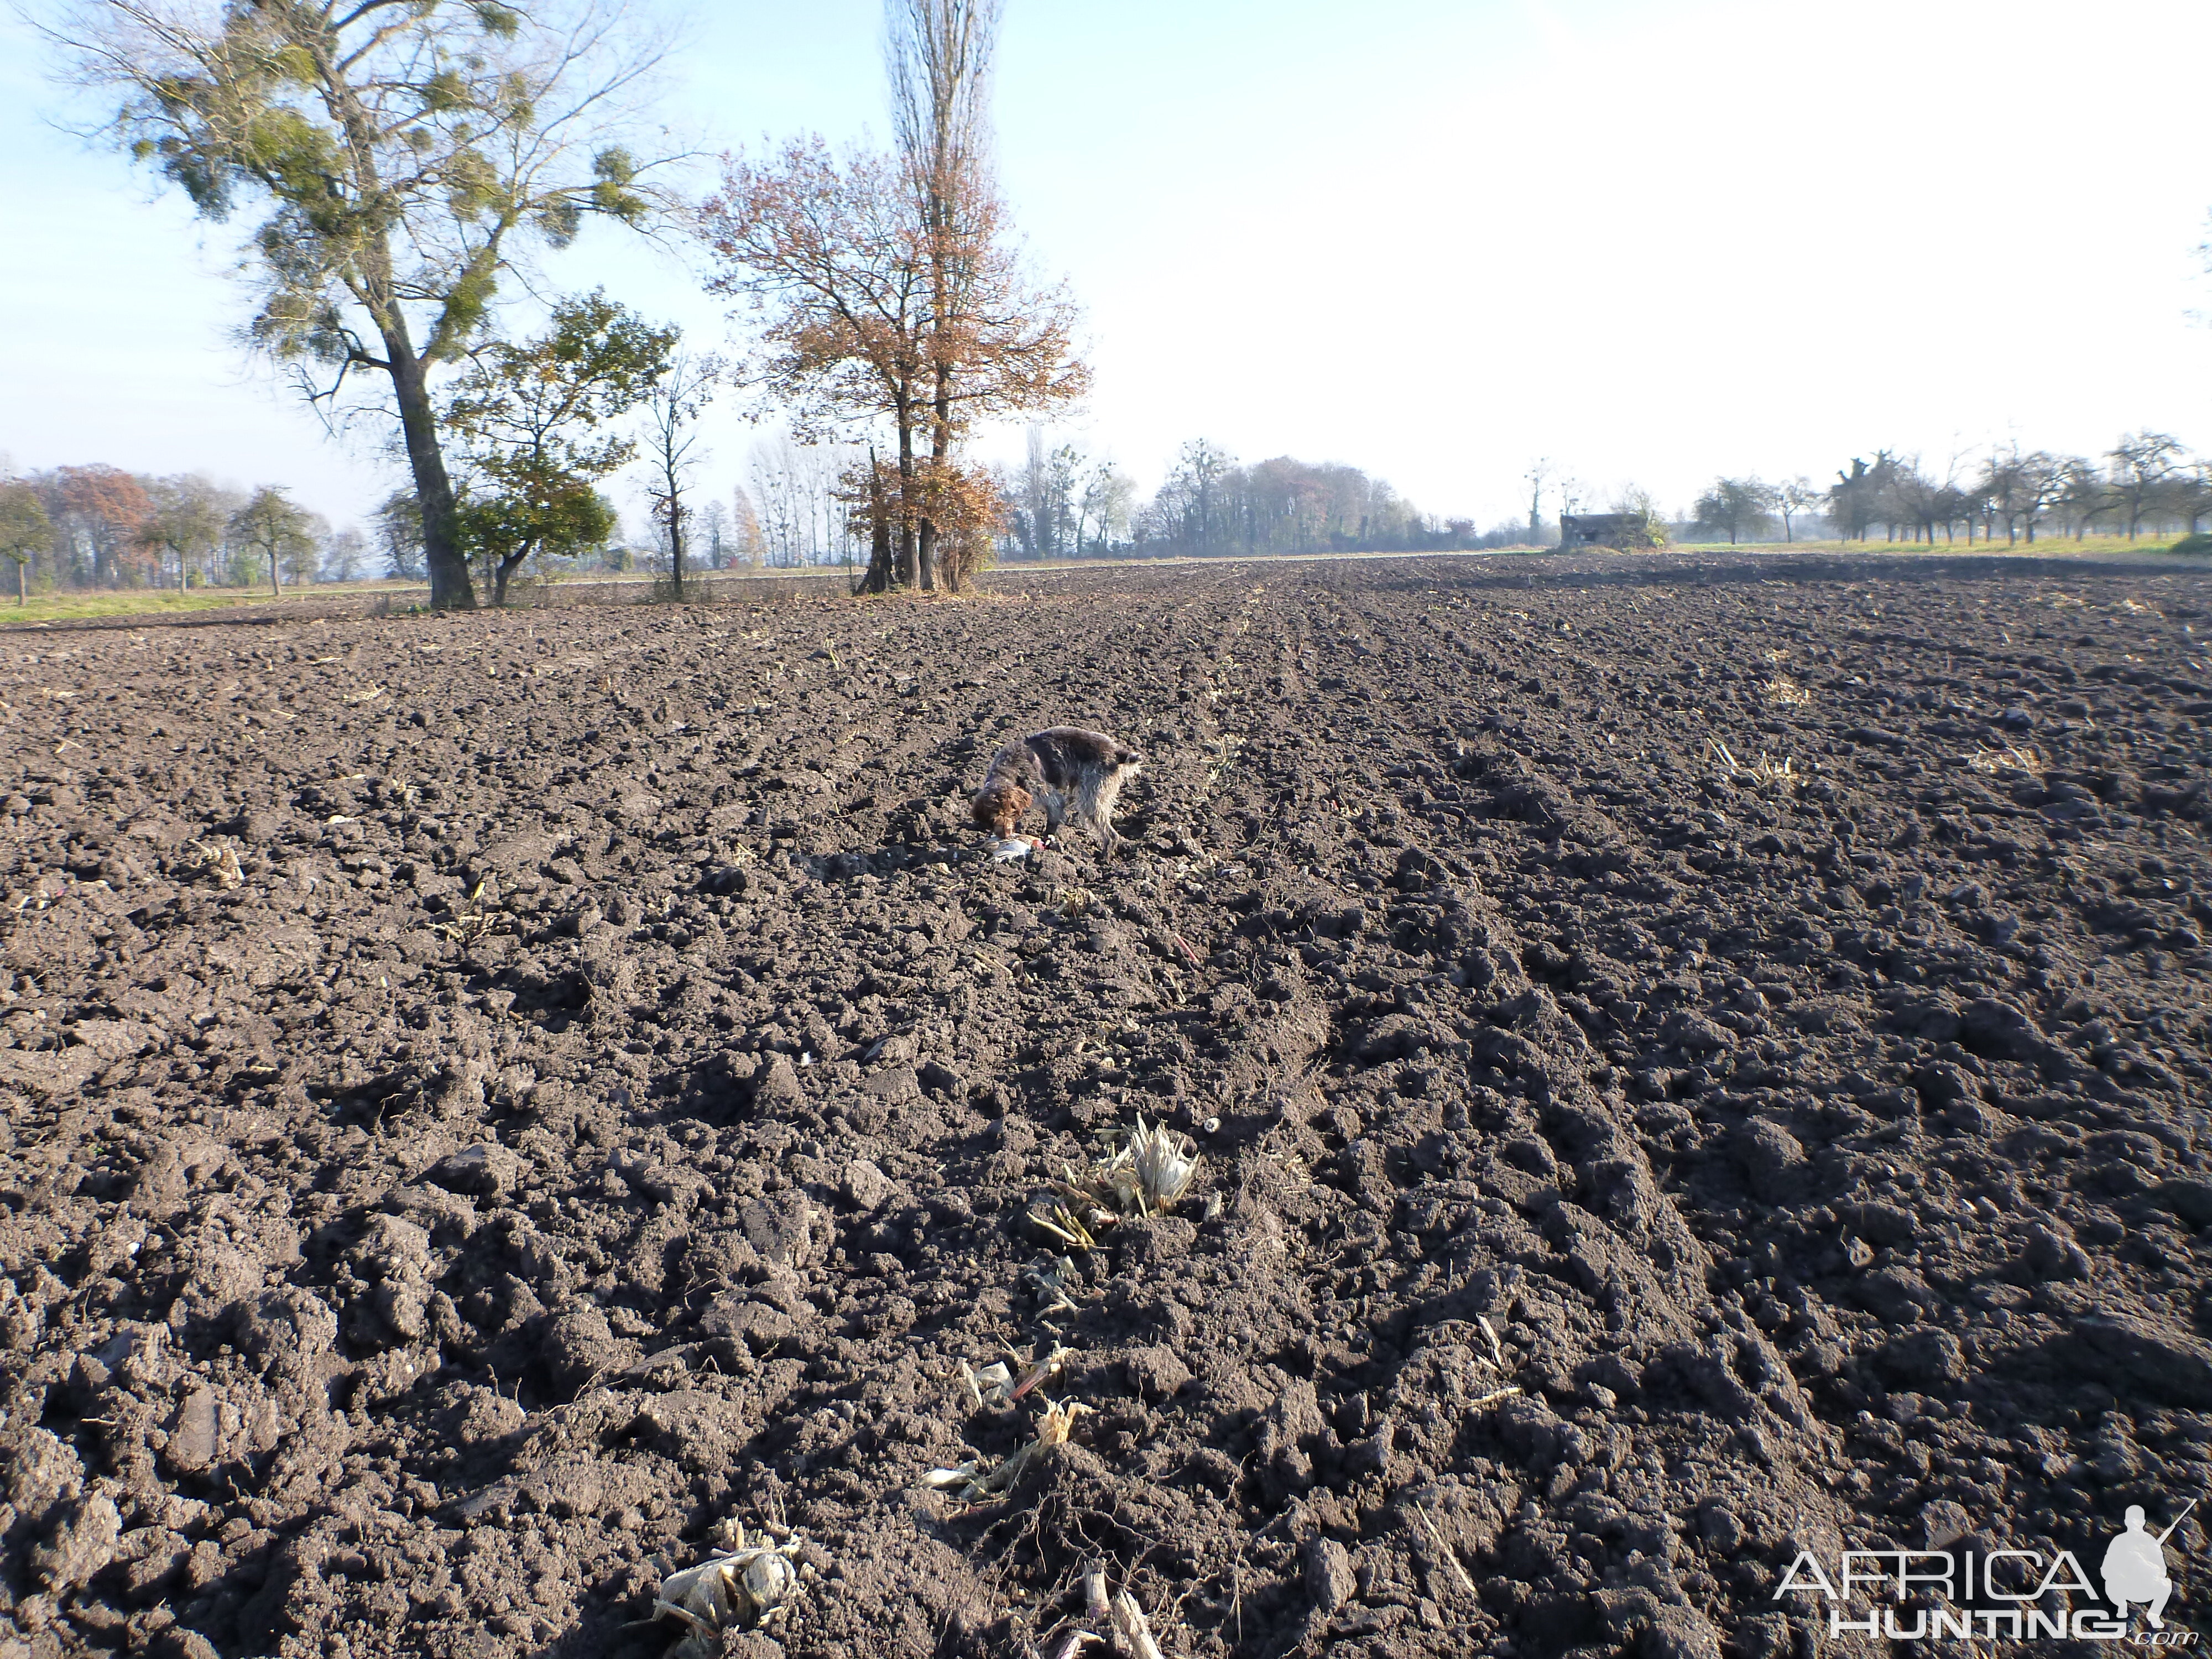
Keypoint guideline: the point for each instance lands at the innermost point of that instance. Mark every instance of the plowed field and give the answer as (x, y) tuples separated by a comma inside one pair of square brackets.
[(1691, 1062)]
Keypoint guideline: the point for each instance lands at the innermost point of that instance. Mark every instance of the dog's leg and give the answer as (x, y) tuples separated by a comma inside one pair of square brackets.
[(1055, 811)]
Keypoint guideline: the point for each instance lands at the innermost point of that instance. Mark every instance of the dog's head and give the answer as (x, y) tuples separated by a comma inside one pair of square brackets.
[(998, 806)]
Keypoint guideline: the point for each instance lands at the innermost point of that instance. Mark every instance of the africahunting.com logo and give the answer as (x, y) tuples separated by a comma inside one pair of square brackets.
[(1923, 1595)]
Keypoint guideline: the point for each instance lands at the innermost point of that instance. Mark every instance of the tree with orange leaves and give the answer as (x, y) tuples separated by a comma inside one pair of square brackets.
[(100, 511), (823, 248), (887, 290), (962, 506)]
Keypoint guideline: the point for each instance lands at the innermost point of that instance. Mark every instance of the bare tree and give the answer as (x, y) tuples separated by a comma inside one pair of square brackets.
[(1210, 505), (2144, 463), (673, 406), (1046, 506), (1797, 497), (804, 493), (406, 154), (711, 523), (344, 553), (2193, 494), (779, 485), (1572, 494), (1540, 473), (1916, 498), (2020, 488), (1108, 495), (2083, 494)]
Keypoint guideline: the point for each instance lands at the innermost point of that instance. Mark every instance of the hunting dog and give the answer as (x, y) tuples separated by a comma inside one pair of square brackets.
[(1069, 770)]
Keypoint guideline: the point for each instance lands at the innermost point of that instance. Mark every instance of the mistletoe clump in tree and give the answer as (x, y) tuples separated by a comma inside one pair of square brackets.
[(407, 155)]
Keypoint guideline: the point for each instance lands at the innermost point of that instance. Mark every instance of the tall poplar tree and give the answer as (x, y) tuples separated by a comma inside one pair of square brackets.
[(890, 293)]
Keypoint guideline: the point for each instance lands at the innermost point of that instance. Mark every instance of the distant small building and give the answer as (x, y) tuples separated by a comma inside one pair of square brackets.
[(1631, 532), (1620, 530)]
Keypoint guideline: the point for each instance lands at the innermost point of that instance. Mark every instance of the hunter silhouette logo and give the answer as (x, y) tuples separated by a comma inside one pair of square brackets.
[(2019, 1594), (2134, 1566)]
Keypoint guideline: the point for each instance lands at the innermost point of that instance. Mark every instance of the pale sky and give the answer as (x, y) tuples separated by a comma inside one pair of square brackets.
[(1652, 239)]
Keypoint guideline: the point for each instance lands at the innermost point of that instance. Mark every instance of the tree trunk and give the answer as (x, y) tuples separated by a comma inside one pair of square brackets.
[(675, 535), (22, 595), (909, 565), (450, 586), (878, 577), (504, 569), (940, 457)]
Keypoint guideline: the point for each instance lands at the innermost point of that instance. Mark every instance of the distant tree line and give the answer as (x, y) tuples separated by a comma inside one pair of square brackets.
[(2147, 483), (98, 526), (1061, 503)]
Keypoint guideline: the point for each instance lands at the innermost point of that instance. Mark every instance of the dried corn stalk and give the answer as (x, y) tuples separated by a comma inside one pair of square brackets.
[(1119, 1614), (749, 1586), (222, 859), (1152, 1169), (978, 1479), (993, 1385), (1054, 1280), (1145, 1175)]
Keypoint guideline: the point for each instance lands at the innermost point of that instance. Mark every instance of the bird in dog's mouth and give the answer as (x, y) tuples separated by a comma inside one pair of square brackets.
[(1068, 771)]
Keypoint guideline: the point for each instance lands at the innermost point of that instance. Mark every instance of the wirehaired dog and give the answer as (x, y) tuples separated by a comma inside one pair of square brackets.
[(1069, 770)]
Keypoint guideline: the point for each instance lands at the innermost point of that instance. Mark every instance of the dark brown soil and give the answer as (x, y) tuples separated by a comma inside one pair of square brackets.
[(490, 1099)]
